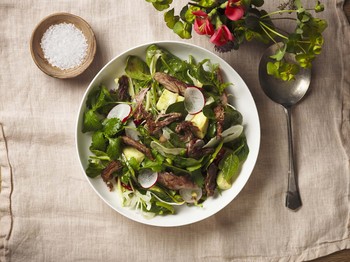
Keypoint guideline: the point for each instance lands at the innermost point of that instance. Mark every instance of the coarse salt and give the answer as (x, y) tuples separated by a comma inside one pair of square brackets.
[(64, 46)]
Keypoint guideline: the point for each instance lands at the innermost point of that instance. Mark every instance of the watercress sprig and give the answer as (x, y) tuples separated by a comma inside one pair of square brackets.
[(230, 23)]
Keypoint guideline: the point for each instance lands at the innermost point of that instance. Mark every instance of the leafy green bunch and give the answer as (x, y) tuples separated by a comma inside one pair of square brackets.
[(230, 23)]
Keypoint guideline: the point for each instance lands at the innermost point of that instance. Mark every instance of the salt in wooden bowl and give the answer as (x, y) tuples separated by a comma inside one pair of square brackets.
[(38, 53)]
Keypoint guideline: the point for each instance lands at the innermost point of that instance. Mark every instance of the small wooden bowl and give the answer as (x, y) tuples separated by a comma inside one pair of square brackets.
[(37, 52)]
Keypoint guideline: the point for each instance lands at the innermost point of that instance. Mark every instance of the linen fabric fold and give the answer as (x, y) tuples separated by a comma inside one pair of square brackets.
[(50, 213)]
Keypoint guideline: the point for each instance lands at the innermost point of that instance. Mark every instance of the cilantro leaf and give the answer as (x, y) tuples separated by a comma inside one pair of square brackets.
[(91, 121), (112, 126), (99, 141), (114, 148)]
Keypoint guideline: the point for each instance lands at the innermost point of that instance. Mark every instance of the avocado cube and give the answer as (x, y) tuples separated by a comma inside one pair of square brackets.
[(201, 121), (166, 99), (130, 152)]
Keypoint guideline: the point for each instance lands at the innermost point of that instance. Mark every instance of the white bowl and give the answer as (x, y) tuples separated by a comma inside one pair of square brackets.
[(243, 101)]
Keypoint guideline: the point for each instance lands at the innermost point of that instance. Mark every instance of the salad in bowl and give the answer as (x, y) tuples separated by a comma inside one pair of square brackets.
[(165, 134)]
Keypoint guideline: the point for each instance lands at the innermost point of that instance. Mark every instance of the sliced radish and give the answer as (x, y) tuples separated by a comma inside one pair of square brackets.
[(147, 178), (228, 135), (232, 133), (194, 100), (121, 111), (191, 195), (130, 131)]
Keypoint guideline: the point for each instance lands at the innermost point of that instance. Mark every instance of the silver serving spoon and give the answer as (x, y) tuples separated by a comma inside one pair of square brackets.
[(287, 94)]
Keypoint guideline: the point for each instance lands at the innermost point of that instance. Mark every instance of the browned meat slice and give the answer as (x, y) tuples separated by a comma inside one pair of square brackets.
[(139, 112), (219, 75), (106, 173), (162, 121), (187, 130), (170, 83), (210, 180), (112, 167), (195, 148), (224, 99), (173, 182), (219, 112), (141, 147), (123, 89)]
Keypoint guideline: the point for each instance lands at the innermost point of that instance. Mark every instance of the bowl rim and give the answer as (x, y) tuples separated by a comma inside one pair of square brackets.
[(70, 73), (77, 130)]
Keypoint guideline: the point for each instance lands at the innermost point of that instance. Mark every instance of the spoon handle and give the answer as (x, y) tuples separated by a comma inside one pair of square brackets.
[(293, 200)]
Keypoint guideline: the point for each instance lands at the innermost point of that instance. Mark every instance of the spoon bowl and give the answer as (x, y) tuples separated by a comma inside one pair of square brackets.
[(287, 94)]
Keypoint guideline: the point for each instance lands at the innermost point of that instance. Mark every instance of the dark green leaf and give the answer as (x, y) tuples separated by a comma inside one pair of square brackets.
[(177, 107), (95, 168), (91, 121), (156, 165), (230, 167), (114, 148), (241, 149), (232, 117), (104, 98), (211, 132), (185, 162), (208, 111), (170, 19), (137, 68), (183, 29), (252, 22), (99, 142), (197, 177), (257, 3), (112, 126), (92, 97)]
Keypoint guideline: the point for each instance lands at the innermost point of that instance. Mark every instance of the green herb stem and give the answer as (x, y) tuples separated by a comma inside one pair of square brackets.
[(302, 48), (273, 31), (278, 12), (268, 34), (283, 18)]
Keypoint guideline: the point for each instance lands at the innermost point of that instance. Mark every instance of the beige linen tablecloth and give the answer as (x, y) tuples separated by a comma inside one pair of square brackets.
[(50, 213)]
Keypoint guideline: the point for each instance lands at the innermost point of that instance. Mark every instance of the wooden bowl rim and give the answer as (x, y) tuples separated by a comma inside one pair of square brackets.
[(43, 64)]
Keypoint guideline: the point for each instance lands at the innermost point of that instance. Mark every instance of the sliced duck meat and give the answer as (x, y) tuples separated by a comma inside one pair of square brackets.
[(171, 83), (195, 148), (173, 182), (139, 113), (162, 120), (210, 180), (137, 145), (107, 173), (186, 130), (219, 112)]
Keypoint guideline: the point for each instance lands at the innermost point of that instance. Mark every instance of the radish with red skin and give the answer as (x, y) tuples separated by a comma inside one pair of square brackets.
[(147, 178), (120, 111), (194, 100), (192, 195)]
